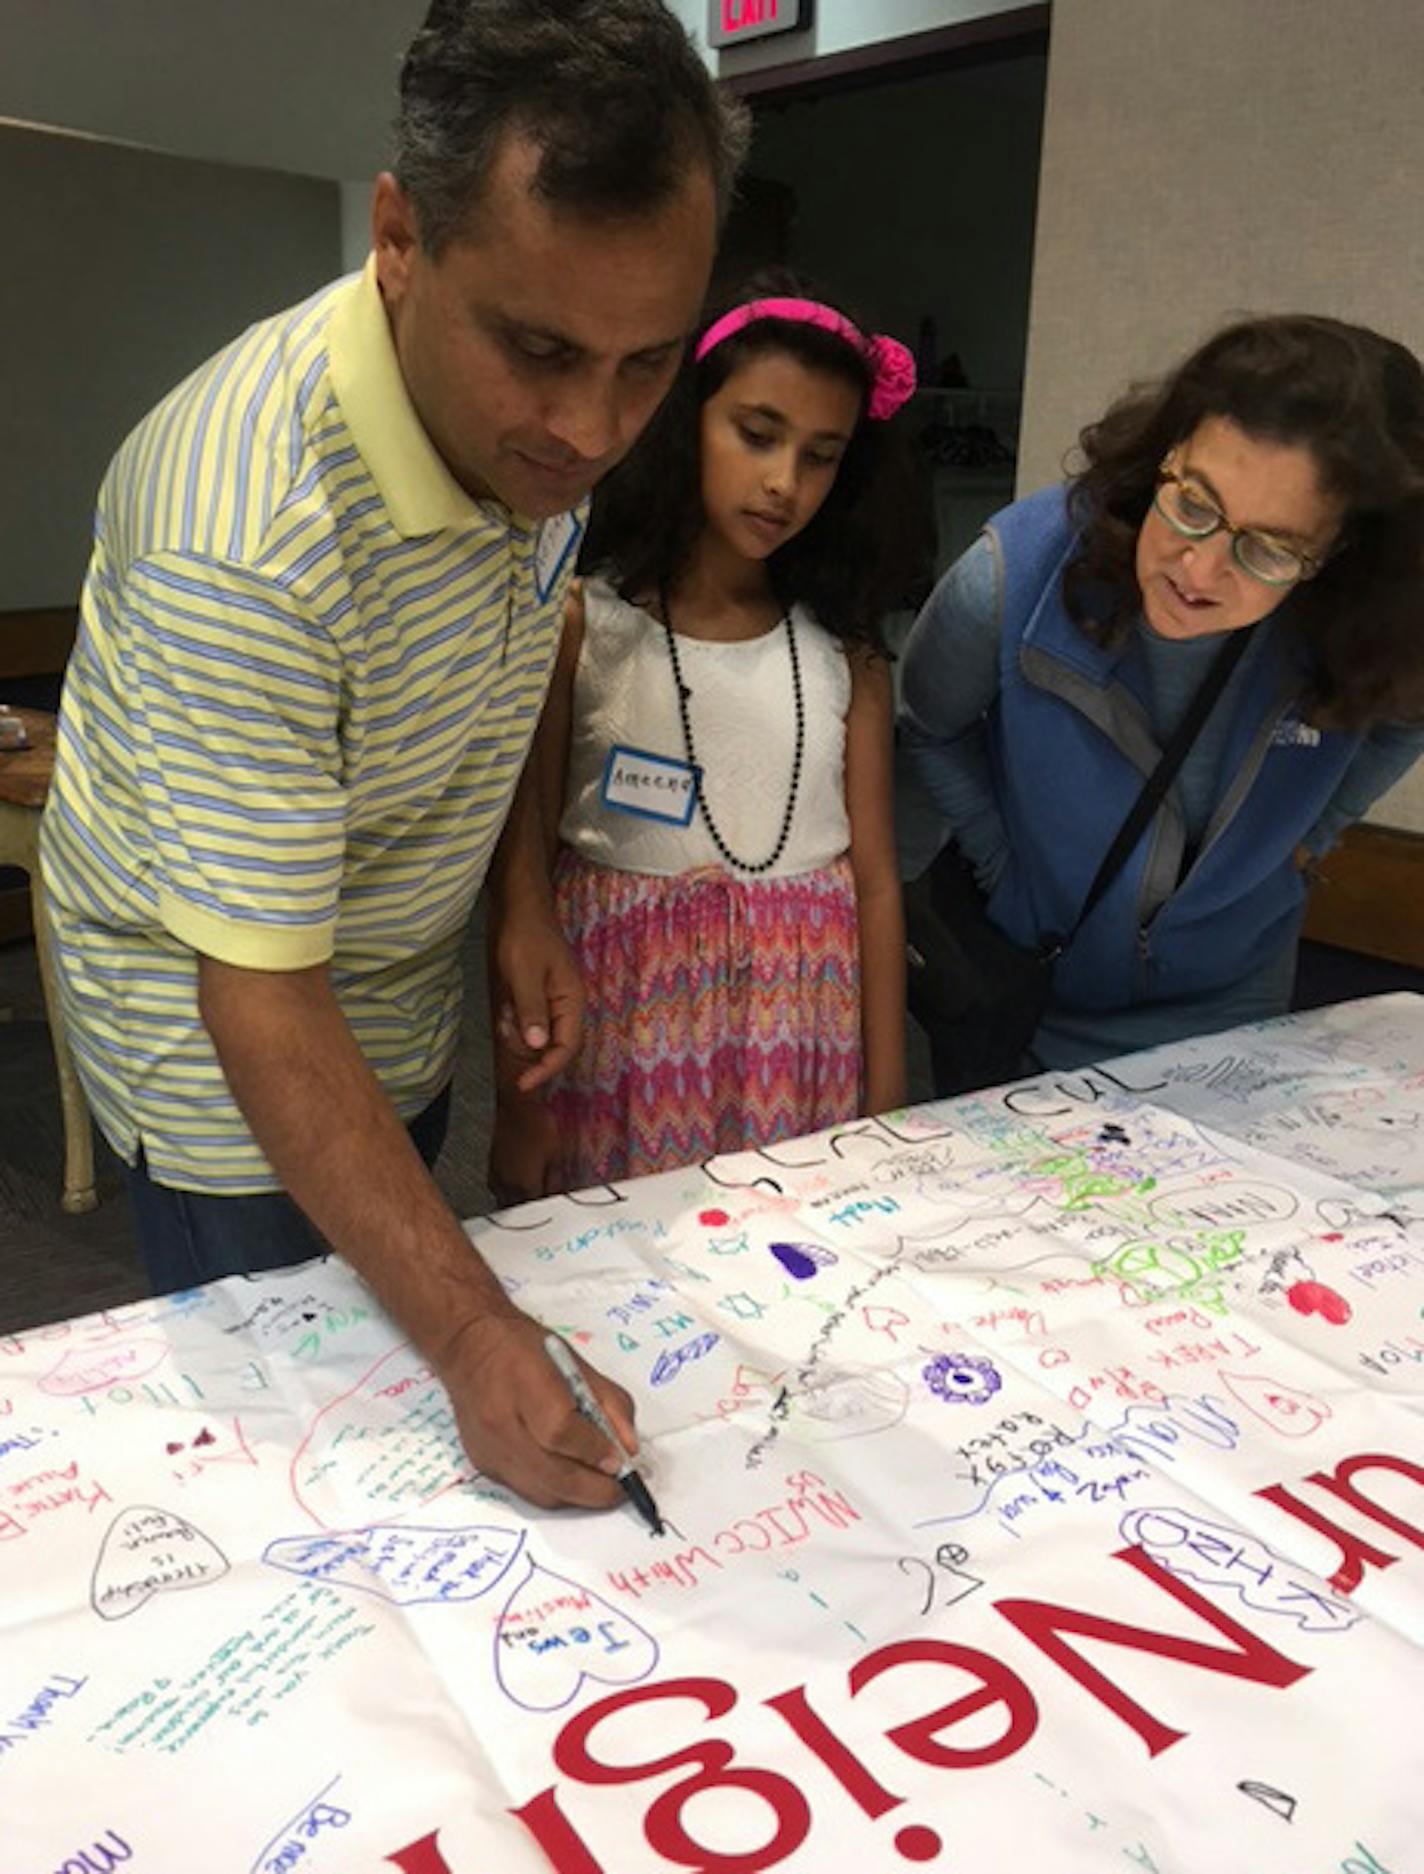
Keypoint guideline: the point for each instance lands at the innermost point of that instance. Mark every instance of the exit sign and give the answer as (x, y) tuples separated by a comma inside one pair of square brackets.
[(732, 22)]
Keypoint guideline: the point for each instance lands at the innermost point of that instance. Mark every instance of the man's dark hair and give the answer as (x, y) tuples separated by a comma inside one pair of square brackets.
[(612, 92)]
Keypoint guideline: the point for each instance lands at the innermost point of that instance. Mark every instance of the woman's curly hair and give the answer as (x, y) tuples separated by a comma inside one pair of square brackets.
[(1355, 400), (867, 551)]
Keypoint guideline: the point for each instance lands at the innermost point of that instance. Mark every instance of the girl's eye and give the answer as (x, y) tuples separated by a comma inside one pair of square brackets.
[(823, 461), (756, 438)]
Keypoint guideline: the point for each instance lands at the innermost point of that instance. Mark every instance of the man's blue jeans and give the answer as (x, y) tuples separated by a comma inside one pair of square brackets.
[(190, 1237)]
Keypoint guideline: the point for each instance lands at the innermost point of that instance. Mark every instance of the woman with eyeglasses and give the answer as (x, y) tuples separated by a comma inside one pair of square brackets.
[(1273, 485)]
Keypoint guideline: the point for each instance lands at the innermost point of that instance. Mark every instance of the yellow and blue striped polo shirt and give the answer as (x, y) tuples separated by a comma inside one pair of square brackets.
[(307, 673)]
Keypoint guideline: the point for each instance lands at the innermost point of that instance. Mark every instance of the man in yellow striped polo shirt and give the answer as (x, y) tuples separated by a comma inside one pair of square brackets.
[(324, 598)]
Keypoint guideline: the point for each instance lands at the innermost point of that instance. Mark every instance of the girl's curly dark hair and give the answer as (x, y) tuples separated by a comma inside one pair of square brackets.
[(1355, 400), (867, 551)]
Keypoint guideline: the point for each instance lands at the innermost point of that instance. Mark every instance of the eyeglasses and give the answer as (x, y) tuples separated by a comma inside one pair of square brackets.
[(1188, 511)]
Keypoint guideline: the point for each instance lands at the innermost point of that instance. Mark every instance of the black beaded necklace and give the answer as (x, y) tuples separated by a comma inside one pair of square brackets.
[(683, 694)]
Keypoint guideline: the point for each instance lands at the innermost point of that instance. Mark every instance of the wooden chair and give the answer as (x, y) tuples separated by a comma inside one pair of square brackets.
[(24, 783), (1369, 896)]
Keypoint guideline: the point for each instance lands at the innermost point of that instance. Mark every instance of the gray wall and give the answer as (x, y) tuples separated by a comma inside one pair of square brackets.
[(1214, 159), (918, 197), (1207, 160), (307, 86), (355, 224), (123, 270)]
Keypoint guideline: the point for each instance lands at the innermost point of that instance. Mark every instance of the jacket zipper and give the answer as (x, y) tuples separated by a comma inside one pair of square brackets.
[(1226, 812), (1242, 783), (1144, 959)]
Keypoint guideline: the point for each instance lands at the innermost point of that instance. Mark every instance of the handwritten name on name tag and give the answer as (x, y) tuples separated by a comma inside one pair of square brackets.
[(654, 786)]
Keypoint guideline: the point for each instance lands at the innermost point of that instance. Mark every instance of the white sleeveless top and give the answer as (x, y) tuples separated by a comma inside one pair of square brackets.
[(743, 720)]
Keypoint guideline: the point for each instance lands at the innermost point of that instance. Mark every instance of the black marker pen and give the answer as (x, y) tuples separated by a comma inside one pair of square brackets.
[(634, 1488)]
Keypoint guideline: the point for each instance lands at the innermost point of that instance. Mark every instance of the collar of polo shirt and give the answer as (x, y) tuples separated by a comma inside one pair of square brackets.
[(420, 493)]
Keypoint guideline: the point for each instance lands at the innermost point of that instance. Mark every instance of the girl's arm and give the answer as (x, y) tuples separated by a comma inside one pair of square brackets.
[(869, 802), (530, 963), (550, 753), (533, 978)]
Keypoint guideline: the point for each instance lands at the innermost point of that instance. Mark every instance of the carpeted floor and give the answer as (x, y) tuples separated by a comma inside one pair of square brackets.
[(53, 1266)]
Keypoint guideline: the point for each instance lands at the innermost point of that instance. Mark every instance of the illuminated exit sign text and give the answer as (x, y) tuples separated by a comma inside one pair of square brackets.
[(730, 22)]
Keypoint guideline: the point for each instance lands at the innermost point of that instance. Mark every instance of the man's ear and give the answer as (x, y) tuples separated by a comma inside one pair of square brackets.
[(395, 238)]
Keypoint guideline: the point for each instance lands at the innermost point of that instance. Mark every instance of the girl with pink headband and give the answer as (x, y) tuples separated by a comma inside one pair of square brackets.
[(891, 367), (717, 746)]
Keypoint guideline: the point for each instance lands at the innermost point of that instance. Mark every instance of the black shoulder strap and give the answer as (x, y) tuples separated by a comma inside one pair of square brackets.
[(1160, 779)]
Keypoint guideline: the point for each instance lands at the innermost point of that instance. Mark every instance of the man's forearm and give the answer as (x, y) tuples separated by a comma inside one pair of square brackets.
[(340, 1149)]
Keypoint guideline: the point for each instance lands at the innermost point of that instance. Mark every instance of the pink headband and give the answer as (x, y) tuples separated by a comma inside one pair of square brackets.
[(891, 366)]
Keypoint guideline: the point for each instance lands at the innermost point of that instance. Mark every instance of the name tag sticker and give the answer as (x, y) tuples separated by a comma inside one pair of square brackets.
[(558, 538), (653, 786)]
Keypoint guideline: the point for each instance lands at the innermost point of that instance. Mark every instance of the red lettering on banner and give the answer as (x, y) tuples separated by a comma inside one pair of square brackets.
[(712, 1768), (424, 1857), (822, 1742), (1356, 1555), (1339, 1485), (779, 1818), (551, 1828), (1248, 1657), (998, 1685)]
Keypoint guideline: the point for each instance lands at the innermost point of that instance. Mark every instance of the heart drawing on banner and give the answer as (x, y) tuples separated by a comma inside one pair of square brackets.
[(91, 1369), (801, 1260), (404, 1565), (553, 1635), (150, 1551), (1316, 1298), (1285, 1409)]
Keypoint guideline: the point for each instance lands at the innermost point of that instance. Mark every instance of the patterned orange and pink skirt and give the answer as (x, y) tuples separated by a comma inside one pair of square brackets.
[(722, 1013)]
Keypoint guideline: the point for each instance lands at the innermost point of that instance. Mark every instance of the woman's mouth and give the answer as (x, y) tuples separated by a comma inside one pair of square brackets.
[(1190, 601)]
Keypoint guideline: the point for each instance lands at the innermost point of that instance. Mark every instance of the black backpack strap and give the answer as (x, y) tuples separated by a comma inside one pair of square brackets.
[(1155, 788)]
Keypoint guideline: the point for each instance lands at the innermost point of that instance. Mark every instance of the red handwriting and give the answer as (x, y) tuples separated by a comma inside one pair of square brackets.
[(785, 1525), (748, 1384), (1060, 1284), (398, 1388), (1119, 1382), (1204, 1352), (25, 1500), (1029, 1319)]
